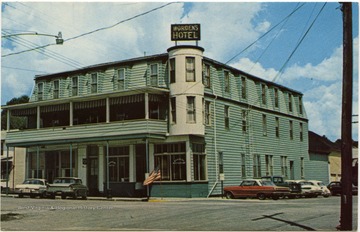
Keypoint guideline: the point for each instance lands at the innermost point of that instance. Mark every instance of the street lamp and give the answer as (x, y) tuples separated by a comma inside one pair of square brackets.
[(59, 39)]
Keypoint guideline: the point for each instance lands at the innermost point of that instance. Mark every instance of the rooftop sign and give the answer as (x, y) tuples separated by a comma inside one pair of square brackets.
[(185, 32)]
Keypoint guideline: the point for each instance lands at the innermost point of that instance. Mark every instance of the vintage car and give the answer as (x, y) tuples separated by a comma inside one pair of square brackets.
[(325, 191), (67, 187), (336, 189), (309, 189), (295, 188), (32, 188), (260, 189)]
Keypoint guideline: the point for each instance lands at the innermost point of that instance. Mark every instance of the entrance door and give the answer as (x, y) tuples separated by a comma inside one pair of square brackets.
[(93, 175), (292, 171)]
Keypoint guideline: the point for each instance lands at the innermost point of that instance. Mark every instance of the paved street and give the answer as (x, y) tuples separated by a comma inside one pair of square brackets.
[(172, 214)]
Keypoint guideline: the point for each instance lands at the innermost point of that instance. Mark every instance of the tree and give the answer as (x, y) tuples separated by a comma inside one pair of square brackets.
[(15, 122)]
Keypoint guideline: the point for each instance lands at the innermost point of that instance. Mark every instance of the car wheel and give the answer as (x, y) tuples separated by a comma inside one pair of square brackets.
[(43, 195), (261, 196), (52, 196), (84, 197), (229, 195), (21, 196), (63, 196), (275, 197)]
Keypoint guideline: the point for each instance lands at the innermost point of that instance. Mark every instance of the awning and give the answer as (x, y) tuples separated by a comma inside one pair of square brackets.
[(89, 104), (23, 112), (156, 98), (54, 108), (127, 99)]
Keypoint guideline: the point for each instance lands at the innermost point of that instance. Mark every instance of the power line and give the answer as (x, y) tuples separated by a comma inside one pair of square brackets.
[(263, 35), (22, 69), (94, 31)]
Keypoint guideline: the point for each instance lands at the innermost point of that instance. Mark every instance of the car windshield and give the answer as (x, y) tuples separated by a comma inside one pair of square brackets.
[(38, 182), (306, 183), (267, 183)]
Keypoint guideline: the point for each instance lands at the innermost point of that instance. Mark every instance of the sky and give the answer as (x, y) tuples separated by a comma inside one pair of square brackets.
[(295, 44)]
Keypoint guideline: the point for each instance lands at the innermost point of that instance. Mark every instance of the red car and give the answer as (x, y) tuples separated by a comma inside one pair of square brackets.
[(261, 189)]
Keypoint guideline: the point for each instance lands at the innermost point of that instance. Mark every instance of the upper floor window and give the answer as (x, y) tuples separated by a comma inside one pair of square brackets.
[(243, 87), (277, 127), (56, 89), (244, 120), (276, 96), (172, 70), (173, 109), (121, 79), (256, 166), (264, 124), (190, 69), (191, 116), (290, 103), (263, 94), (154, 75), (94, 83), (227, 82), (40, 92), (300, 105), (291, 130), (74, 83), (207, 113), (301, 132), (206, 76), (269, 165), (284, 171), (227, 117)]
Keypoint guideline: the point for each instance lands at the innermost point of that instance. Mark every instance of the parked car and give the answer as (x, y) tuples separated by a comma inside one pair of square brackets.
[(261, 189), (309, 189), (336, 189), (325, 191), (295, 188), (32, 188), (67, 187)]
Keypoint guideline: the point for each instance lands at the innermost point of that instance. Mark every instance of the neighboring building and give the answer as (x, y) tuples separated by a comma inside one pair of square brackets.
[(319, 150), (111, 123), (12, 164)]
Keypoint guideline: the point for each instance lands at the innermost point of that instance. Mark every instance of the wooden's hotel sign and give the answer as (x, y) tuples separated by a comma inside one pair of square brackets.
[(185, 32)]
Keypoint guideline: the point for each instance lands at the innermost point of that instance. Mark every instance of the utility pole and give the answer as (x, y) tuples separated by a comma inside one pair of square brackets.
[(346, 215)]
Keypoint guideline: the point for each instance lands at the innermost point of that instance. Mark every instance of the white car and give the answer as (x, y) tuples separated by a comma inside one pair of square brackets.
[(325, 191), (32, 188), (309, 189)]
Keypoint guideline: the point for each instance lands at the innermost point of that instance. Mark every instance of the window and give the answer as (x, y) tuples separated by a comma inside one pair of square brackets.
[(244, 119), (269, 165), (119, 164), (74, 85), (172, 70), (227, 117), (264, 124), (173, 109), (199, 161), (206, 75), (190, 69), (121, 79), (290, 103), (227, 82), (40, 91), (171, 159), (291, 130), (56, 89), (94, 82), (263, 94), (276, 95), (284, 171), (302, 173), (277, 127), (256, 166), (300, 105), (243, 87), (243, 165), (154, 75), (301, 132), (207, 113), (191, 116)]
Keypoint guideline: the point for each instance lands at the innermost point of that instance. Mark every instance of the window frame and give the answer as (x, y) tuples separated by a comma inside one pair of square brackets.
[(243, 87), (190, 109), (172, 68), (199, 162), (207, 75), (94, 84), (74, 87), (154, 77), (263, 94), (226, 81), (40, 94), (190, 69), (291, 130), (276, 97), (269, 162), (256, 166), (173, 109), (227, 117), (121, 80), (264, 124), (277, 127), (56, 91)]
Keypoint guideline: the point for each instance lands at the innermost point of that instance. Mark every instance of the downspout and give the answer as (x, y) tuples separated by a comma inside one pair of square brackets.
[(215, 149)]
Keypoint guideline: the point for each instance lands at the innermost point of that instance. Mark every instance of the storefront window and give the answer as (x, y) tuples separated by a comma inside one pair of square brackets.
[(171, 158), (119, 164), (199, 161)]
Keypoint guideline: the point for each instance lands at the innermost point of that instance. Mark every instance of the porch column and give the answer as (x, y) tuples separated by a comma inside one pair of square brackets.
[(108, 191), (27, 163), (146, 105), (7, 170), (132, 164), (37, 161), (71, 115), (38, 117), (107, 110), (71, 154), (8, 115)]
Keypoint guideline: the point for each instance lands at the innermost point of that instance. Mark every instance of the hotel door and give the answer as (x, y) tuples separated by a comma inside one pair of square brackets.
[(93, 175)]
